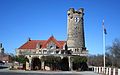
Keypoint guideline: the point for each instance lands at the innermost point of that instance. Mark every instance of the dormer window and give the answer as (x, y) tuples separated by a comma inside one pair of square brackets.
[(38, 46), (57, 47), (51, 45)]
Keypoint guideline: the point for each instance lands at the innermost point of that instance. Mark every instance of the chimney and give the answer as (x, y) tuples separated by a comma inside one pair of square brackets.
[(29, 39)]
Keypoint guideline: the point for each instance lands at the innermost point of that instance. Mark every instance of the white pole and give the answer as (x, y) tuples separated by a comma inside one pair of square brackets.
[(118, 71), (114, 71), (106, 71), (104, 46), (109, 71)]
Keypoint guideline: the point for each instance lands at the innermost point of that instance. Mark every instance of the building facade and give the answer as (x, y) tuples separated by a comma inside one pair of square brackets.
[(40, 47), (6, 58), (74, 45)]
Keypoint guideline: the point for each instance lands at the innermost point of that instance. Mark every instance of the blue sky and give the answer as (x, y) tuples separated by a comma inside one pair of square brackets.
[(39, 19)]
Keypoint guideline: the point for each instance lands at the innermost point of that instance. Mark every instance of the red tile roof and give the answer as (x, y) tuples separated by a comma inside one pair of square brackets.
[(31, 44)]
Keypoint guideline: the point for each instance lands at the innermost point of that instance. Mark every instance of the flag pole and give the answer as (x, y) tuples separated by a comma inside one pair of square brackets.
[(104, 33)]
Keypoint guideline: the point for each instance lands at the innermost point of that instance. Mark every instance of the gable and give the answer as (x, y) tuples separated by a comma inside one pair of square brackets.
[(51, 42)]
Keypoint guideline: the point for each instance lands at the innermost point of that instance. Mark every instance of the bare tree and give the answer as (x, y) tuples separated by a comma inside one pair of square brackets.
[(114, 52), (95, 60)]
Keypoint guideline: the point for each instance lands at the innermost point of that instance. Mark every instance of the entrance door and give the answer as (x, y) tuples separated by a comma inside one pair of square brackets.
[(36, 63), (65, 64)]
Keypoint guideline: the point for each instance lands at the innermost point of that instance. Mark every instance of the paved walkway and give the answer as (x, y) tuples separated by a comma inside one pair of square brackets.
[(51, 72), (89, 73)]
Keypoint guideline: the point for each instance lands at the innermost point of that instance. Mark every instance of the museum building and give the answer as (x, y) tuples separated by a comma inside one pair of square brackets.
[(73, 46)]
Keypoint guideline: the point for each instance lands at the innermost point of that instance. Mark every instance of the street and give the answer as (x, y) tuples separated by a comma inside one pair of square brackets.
[(21, 72)]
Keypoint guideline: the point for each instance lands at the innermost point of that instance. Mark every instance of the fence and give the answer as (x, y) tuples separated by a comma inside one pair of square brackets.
[(108, 70)]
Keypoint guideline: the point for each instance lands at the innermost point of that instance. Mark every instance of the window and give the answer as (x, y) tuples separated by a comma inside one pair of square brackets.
[(57, 52), (57, 47), (77, 19), (75, 50), (44, 51), (51, 45), (40, 46)]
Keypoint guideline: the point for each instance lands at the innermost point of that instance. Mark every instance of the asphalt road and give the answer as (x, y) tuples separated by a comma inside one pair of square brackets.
[(47, 73), (22, 72)]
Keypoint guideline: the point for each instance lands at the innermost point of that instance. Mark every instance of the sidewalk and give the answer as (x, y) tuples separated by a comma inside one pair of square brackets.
[(51, 72)]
